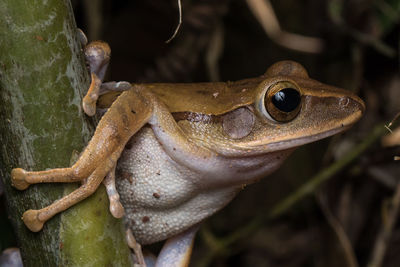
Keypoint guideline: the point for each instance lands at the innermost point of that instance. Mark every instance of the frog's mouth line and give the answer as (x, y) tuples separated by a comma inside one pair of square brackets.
[(240, 151), (307, 139)]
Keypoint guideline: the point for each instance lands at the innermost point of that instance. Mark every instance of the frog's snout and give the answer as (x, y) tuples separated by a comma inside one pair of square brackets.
[(352, 101), (351, 107)]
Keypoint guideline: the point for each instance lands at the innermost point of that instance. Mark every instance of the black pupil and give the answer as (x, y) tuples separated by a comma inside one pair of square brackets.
[(286, 100)]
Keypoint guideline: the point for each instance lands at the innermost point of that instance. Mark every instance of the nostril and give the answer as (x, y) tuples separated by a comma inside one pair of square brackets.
[(352, 102), (344, 102)]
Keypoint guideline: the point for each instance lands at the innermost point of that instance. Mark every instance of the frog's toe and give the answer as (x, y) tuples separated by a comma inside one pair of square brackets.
[(116, 209), (18, 176), (123, 86), (31, 220), (89, 107), (82, 37)]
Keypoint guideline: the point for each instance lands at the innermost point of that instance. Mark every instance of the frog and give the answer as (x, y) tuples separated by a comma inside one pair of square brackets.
[(173, 154)]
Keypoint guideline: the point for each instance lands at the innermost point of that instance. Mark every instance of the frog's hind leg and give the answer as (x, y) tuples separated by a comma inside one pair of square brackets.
[(34, 219), (127, 115), (21, 179)]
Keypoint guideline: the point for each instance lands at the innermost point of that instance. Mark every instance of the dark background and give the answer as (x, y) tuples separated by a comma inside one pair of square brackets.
[(340, 223)]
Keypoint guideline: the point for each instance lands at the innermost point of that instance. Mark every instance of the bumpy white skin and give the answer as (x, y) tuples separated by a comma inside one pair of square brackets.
[(163, 198)]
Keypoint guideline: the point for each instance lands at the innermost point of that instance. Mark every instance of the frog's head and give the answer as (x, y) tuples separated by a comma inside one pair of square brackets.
[(293, 109), (283, 110)]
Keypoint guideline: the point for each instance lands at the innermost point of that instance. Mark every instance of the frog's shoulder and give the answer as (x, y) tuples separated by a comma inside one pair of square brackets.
[(206, 98)]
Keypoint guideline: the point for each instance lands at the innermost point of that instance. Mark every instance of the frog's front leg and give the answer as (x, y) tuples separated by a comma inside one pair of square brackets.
[(97, 55), (126, 116)]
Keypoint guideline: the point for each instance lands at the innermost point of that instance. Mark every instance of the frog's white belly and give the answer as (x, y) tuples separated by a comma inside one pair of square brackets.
[(160, 196)]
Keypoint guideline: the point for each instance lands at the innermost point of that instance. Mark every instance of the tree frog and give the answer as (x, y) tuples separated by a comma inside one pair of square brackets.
[(185, 150)]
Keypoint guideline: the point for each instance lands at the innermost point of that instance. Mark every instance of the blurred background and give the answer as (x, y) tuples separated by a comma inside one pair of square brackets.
[(350, 219)]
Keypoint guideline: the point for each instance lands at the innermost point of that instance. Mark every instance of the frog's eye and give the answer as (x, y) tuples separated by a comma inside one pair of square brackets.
[(282, 101)]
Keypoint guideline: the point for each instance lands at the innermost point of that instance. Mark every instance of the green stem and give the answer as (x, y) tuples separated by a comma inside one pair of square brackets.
[(42, 73)]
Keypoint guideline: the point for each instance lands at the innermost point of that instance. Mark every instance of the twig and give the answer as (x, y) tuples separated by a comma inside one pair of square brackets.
[(178, 64), (179, 23), (392, 139), (385, 232), (396, 117), (94, 18), (363, 38), (383, 176), (387, 128), (263, 11), (339, 231), (387, 10), (214, 52)]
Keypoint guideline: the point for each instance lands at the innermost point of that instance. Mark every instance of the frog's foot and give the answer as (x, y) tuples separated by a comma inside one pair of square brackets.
[(32, 220), (18, 179), (178, 249), (116, 208), (35, 219)]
